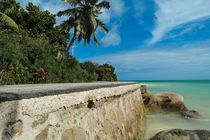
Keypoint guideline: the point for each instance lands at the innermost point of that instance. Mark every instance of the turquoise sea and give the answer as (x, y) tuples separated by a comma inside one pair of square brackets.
[(196, 97)]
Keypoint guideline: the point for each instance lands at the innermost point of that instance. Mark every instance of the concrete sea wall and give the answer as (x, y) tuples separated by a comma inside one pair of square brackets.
[(90, 111)]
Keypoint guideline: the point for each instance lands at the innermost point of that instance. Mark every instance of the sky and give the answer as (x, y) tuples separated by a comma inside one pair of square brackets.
[(149, 39)]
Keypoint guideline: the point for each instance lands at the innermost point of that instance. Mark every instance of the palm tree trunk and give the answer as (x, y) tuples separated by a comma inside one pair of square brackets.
[(76, 35)]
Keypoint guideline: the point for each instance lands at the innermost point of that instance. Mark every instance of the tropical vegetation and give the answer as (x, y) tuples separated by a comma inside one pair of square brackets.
[(83, 18), (32, 48), (7, 8)]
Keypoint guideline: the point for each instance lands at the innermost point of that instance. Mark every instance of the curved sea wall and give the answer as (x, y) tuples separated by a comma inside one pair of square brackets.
[(89, 111)]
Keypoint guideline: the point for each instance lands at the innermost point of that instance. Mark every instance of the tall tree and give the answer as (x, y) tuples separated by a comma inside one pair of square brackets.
[(83, 18)]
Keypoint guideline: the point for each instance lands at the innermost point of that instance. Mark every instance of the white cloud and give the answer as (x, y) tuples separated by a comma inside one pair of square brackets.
[(106, 16), (191, 61), (112, 38), (139, 7), (117, 7), (173, 13), (115, 12), (186, 30), (54, 6)]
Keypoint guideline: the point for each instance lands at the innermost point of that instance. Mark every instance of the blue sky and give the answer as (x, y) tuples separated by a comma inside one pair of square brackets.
[(149, 39)]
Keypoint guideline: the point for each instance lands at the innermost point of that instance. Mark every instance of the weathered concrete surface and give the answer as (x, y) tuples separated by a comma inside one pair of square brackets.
[(17, 92), (105, 110)]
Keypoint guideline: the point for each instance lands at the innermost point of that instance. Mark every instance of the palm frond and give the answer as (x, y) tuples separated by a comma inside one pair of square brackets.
[(95, 38), (68, 24), (87, 38), (9, 21), (87, 35), (80, 37), (103, 4), (102, 25), (92, 2), (73, 2), (69, 12), (93, 21), (63, 13), (83, 18)]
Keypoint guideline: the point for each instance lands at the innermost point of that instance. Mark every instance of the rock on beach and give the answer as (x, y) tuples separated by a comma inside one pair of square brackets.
[(179, 134), (166, 102)]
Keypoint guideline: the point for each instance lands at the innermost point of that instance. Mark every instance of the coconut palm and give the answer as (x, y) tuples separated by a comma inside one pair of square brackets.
[(7, 7), (83, 18), (9, 21)]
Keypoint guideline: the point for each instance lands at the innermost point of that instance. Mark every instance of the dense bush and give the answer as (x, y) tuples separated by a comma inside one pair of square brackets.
[(36, 52), (106, 73)]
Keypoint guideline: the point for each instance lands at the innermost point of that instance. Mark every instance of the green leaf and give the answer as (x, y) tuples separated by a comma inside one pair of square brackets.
[(73, 2), (102, 25), (103, 4), (93, 21), (9, 21), (95, 38)]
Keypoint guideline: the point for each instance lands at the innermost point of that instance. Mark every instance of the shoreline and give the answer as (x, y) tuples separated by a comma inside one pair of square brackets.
[(190, 90)]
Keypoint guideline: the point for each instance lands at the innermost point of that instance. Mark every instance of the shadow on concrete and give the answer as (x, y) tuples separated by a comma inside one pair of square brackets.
[(9, 123)]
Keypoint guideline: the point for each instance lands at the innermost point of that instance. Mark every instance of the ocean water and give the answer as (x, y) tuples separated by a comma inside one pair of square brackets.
[(196, 97)]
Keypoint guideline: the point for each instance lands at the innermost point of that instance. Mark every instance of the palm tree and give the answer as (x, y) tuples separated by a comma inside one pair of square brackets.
[(7, 7), (83, 18), (9, 21)]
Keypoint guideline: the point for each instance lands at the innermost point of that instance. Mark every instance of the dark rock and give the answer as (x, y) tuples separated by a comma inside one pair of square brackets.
[(147, 93), (175, 101), (167, 103), (143, 89), (164, 102), (190, 114), (179, 134)]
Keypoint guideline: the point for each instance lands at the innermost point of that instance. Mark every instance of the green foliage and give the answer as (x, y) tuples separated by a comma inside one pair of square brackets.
[(15, 73), (38, 22), (8, 21), (36, 52), (6, 8), (91, 69), (106, 73), (83, 18)]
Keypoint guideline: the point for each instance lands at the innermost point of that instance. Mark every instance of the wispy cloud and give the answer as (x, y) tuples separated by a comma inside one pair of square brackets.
[(189, 61), (117, 7), (116, 11), (185, 30), (106, 16), (173, 13), (112, 38), (139, 8)]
